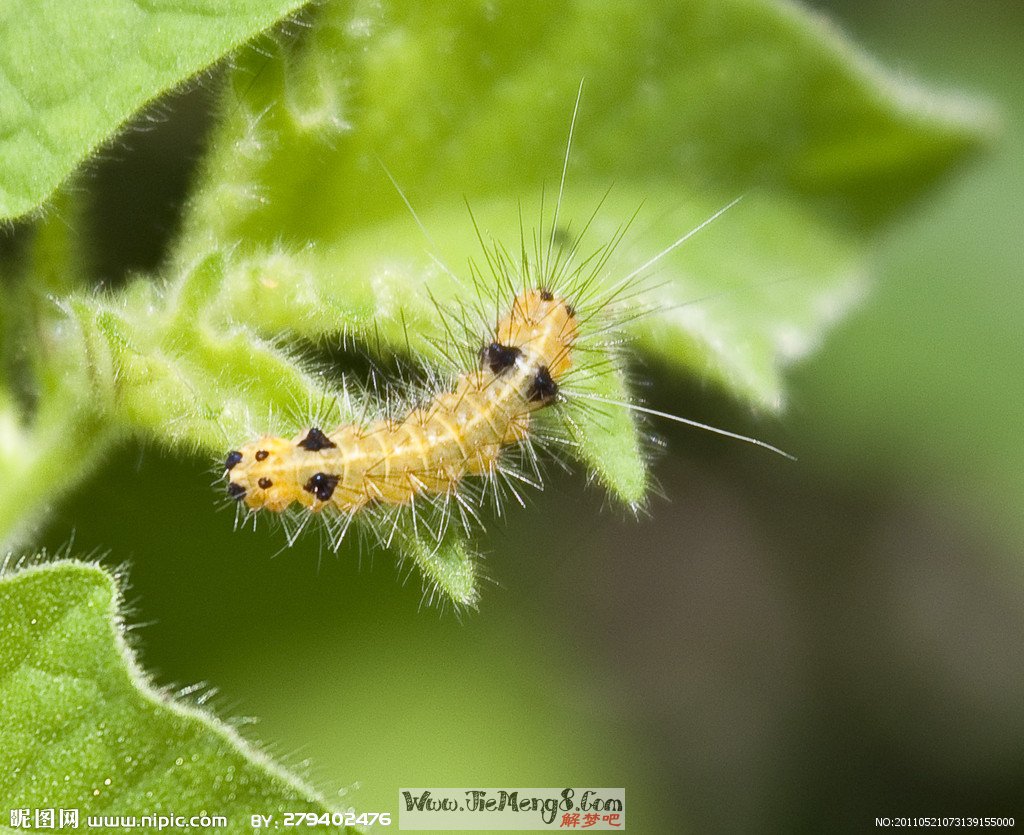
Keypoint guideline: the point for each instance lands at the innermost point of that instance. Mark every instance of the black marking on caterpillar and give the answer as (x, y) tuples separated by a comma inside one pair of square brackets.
[(316, 440)]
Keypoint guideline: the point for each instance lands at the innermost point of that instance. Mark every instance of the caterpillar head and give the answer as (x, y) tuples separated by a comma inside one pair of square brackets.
[(253, 470)]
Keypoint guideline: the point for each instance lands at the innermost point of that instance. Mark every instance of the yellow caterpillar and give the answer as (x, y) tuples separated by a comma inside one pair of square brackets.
[(460, 433)]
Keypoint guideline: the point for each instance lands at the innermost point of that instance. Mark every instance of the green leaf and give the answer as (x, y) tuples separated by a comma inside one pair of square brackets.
[(448, 567), (474, 100), (70, 78), (83, 729), (299, 231), (607, 436)]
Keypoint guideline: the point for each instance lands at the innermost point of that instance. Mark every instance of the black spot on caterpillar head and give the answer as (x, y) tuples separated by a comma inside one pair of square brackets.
[(321, 485), (261, 455), (546, 295), (233, 458), (570, 309), (316, 440), (542, 388), (236, 491), (265, 483), (499, 357)]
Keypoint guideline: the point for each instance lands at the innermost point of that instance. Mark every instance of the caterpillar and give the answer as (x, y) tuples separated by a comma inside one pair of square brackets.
[(444, 451), (461, 437), (462, 432)]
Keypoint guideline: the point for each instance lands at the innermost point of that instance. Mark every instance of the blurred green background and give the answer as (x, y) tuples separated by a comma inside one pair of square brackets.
[(779, 647)]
